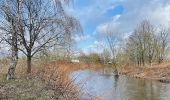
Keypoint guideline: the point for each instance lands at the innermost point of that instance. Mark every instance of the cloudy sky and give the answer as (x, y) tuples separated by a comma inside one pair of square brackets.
[(121, 16)]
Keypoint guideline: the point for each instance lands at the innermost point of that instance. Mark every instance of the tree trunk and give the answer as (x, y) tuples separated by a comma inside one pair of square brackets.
[(143, 60), (29, 58), (12, 67), (14, 59), (150, 60), (160, 60)]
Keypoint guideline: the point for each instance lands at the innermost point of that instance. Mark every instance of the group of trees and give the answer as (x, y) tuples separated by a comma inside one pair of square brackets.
[(29, 26), (102, 58), (147, 44), (90, 58)]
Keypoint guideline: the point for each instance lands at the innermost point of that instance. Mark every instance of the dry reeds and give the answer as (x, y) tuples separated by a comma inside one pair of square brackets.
[(57, 79)]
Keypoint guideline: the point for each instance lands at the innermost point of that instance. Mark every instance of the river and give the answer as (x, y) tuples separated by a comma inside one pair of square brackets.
[(109, 87)]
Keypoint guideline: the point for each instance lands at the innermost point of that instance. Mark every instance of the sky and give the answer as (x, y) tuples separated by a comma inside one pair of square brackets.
[(120, 16)]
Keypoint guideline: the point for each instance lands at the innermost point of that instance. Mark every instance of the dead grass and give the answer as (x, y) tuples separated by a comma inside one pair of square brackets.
[(68, 67), (47, 81), (159, 72), (57, 77), (25, 89)]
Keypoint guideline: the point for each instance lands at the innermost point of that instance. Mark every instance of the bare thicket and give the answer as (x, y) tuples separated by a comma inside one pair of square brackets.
[(146, 45)]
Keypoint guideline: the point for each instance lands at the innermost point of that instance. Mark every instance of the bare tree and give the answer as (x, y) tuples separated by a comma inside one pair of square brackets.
[(106, 55), (44, 25), (11, 13), (162, 43), (32, 25), (147, 44), (141, 44)]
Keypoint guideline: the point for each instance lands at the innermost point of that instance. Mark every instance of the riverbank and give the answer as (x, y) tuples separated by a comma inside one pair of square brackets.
[(159, 72), (46, 82), (49, 80)]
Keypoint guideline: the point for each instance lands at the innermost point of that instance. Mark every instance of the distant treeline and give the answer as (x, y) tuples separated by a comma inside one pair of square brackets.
[(146, 45)]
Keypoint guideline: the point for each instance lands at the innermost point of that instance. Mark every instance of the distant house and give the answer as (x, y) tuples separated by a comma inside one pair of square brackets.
[(110, 62), (75, 61)]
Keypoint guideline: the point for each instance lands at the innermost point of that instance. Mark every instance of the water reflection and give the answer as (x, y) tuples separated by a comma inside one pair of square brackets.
[(116, 79), (120, 88)]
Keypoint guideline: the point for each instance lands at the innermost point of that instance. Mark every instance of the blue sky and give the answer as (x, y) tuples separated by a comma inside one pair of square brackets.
[(120, 16), (89, 25)]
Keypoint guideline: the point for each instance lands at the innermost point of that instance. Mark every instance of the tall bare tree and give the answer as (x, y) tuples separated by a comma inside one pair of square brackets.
[(32, 25), (162, 43), (44, 25), (146, 45), (11, 13), (141, 44)]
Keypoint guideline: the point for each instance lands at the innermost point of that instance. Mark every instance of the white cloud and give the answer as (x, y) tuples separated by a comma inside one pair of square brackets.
[(94, 12), (157, 11), (97, 44), (96, 47), (102, 29), (79, 38), (107, 27)]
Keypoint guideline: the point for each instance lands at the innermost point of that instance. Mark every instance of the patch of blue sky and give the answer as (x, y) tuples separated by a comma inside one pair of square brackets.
[(114, 11), (79, 4), (86, 43)]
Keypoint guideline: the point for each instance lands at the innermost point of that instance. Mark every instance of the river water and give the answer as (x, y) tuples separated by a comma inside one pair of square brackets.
[(109, 87)]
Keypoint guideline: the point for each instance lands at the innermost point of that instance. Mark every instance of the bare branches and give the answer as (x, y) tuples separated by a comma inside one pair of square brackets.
[(44, 25), (146, 45), (35, 24), (11, 10)]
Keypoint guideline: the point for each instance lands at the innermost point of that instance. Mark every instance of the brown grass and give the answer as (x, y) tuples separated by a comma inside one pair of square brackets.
[(47, 81), (56, 76), (159, 72)]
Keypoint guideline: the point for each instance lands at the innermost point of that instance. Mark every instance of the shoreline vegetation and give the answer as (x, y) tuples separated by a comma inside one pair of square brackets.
[(158, 72), (50, 79), (46, 82)]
